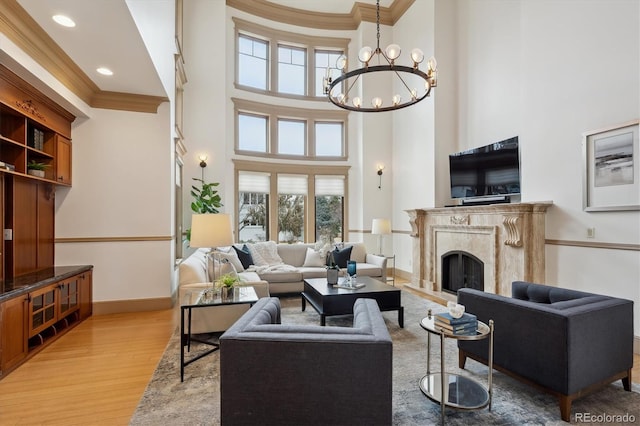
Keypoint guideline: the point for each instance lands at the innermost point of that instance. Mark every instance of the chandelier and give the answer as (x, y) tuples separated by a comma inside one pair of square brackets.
[(333, 88)]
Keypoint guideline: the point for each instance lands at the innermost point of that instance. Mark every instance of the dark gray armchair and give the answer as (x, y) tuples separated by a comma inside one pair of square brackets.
[(274, 374), (565, 342)]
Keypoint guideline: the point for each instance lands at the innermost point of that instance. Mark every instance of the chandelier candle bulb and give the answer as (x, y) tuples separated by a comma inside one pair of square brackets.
[(393, 52)]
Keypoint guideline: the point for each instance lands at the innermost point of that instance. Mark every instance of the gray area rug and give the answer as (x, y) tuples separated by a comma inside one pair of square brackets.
[(196, 401)]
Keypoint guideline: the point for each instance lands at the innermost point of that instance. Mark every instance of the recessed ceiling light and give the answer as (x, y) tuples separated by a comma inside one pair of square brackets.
[(104, 71), (65, 21)]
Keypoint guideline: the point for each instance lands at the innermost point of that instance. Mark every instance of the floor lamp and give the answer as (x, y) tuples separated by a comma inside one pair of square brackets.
[(380, 227), (213, 231)]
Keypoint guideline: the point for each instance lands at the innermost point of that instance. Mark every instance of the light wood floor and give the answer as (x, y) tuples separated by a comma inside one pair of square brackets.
[(96, 373)]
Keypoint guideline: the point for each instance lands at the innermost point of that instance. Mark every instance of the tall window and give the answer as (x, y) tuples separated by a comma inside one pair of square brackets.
[(329, 139), (329, 208), (266, 130), (291, 137), (252, 132), (291, 70), (252, 62), (253, 206), (283, 63), (292, 191)]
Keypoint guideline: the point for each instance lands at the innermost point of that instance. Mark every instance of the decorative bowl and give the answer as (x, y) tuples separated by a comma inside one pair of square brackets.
[(456, 310)]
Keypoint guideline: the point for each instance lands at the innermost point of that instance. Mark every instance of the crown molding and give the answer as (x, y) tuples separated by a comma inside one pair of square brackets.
[(19, 27), (326, 21)]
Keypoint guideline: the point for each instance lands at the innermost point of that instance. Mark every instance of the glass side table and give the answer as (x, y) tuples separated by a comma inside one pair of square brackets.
[(459, 392), (199, 298)]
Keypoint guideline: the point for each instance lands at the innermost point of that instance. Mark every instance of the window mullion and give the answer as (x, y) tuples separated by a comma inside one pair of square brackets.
[(273, 66), (310, 222), (273, 133)]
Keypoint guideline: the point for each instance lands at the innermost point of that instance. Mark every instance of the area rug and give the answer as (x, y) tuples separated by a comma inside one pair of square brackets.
[(196, 401)]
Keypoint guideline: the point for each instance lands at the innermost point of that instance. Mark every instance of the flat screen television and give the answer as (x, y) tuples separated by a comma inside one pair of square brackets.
[(491, 170)]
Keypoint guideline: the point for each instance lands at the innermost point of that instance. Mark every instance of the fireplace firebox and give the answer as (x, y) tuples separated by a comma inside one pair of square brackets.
[(461, 270)]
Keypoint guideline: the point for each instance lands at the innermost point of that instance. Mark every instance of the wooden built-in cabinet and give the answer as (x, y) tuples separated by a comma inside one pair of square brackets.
[(32, 129), (13, 333), (31, 320), (38, 301)]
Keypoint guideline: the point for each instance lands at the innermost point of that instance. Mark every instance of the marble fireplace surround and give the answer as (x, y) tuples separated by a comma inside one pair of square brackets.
[(508, 238)]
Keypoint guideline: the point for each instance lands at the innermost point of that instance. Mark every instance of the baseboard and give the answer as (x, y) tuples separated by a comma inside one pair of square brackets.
[(135, 305), (402, 274), (636, 345)]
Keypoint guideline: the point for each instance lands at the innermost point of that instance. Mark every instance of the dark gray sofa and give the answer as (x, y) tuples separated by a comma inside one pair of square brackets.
[(565, 342), (274, 374)]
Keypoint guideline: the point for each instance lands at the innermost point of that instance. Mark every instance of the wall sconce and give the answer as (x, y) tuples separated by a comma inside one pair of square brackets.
[(203, 163), (380, 169)]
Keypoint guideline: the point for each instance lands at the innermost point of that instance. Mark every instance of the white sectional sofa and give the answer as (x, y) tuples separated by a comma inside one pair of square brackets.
[(282, 266)]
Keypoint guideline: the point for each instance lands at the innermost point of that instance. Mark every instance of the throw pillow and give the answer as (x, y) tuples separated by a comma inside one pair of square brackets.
[(265, 253), (244, 256), (232, 257), (341, 257), (313, 258)]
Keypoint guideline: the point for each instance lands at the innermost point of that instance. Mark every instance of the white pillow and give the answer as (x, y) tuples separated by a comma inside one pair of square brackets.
[(313, 258), (232, 256), (265, 253)]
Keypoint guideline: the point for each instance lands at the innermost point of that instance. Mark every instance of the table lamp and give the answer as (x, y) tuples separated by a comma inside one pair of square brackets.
[(213, 231), (380, 227)]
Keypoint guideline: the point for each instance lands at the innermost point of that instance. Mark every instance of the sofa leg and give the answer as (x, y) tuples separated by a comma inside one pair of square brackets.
[(565, 407), (626, 381), (462, 358)]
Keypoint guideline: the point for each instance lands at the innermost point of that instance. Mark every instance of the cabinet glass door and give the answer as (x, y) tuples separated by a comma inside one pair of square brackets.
[(69, 297), (42, 310)]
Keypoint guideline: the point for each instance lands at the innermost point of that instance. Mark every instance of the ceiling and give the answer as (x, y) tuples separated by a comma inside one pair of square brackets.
[(106, 35)]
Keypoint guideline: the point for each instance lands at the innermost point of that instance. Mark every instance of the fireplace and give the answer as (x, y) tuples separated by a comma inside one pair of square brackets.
[(486, 247), (461, 270)]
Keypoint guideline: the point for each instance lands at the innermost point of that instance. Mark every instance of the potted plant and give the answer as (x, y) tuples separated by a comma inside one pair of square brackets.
[(35, 168), (226, 284)]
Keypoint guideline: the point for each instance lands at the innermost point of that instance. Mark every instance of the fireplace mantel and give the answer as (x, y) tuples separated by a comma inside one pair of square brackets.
[(508, 238)]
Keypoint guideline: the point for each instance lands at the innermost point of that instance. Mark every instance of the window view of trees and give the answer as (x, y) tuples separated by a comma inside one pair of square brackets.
[(290, 218), (253, 217), (329, 214)]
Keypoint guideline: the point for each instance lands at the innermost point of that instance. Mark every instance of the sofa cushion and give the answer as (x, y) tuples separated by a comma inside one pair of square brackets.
[(281, 276), (265, 253), (244, 255), (358, 252), (193, 269), (293, 254), (313, 258), (313, 272), (341, 257)]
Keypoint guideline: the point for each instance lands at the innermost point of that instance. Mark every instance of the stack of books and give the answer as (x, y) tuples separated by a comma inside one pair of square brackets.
[(466, 325)]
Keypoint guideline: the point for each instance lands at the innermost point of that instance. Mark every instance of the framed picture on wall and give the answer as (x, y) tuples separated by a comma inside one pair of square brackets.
[(611, 168)]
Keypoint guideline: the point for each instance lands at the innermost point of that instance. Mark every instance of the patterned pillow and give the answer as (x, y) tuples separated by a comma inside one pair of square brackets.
[(265, 253)]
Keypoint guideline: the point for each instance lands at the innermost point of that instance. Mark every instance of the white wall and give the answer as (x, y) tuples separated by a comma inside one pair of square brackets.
[(548, 71), (414, 142), (121, 189)]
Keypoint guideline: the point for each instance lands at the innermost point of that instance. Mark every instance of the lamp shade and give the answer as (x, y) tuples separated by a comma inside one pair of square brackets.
[(211, 230), (381, 226)]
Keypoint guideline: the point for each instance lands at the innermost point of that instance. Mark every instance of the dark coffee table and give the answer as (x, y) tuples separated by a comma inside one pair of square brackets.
[(328, 300)]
